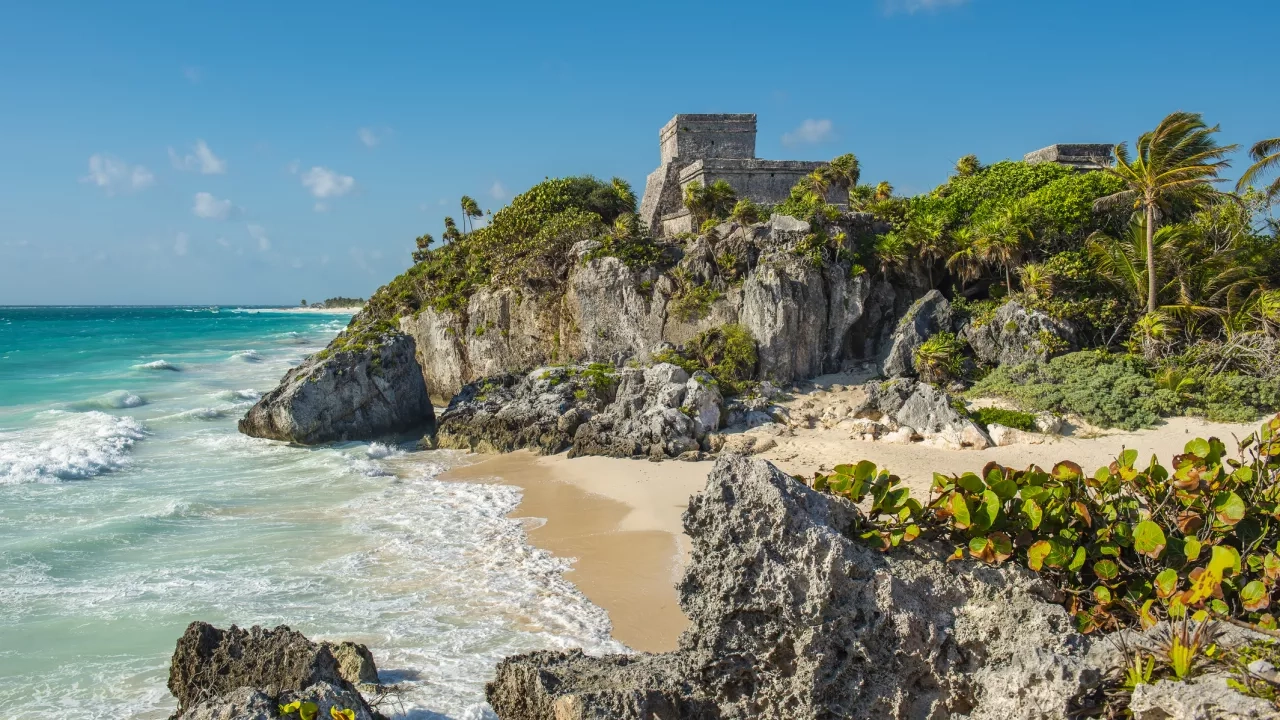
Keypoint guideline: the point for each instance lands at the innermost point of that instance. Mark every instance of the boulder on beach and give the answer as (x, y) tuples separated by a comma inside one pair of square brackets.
[(237, 673)]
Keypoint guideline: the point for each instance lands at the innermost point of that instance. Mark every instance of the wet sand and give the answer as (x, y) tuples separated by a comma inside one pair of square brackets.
[(619, 520)]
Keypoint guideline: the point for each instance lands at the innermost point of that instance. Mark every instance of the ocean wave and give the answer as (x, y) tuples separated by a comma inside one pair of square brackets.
[(378, 451), (238, 396), (200, 413), (74, 446), (157, 365), (248, 356), (114, 400)]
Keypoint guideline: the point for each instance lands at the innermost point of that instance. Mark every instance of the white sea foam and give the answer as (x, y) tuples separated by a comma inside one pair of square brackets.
[(156, 365), (69, 446), (200, 413), (114, 400), (378, 451), (238, 396), (248, 356)]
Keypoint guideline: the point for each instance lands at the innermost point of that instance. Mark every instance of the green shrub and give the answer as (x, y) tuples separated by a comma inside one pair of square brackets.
[(1128, 545), (728, 353), (1107, 390), (939, 358), (1008, 418)]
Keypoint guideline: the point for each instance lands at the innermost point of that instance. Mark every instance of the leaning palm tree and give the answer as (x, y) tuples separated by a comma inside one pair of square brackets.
[(745, 212), (470, 211), (968, 165), (1266, 155), (1179, 160), (884, 190), (817, 183)]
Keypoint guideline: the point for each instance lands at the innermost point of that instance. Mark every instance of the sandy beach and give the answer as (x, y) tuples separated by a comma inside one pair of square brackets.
[(619, 519)]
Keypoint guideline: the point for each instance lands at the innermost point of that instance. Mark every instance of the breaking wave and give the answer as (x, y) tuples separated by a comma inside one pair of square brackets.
[(157, 365), (74, 446)]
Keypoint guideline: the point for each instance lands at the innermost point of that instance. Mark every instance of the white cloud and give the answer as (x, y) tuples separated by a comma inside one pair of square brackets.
[(498, 191), (180, 244), (113, 174), (914, 6), (208, 206), (259, 233), (810, 132), (203, 161), (326, 183)]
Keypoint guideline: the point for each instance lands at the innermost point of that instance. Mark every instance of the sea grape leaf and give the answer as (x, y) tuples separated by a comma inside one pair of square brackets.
[(1034, 513), (1191, 548), (1037, 553), (960, 511), (1001, 546), (1254, 596), (1106, 569), (1166, 583), (1148, 539), (1228, 507), (971, 483)]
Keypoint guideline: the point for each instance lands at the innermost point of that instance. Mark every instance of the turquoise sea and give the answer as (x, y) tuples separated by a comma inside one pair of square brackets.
[(130, 506)]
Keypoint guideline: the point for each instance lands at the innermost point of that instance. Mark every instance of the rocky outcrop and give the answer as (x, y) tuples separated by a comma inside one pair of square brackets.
[(1016, 335), (227, 673), (540, 410), (349, 394), (929, 315), (1205, 698), (247, 703), (800, 314), (923, 409), (657, 412), (790, 617)]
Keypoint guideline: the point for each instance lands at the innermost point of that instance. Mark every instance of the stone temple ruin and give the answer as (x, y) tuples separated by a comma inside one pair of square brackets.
[(707, 148), (1080, 157)]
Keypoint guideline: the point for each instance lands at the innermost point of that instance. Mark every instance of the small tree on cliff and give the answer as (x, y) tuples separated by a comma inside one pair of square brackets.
[(968, 165), (451, 231), (711, 201), (424, 246), (844, 171)]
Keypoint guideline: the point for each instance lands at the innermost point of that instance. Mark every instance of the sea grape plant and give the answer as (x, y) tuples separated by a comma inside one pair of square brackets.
[(306, 710), (1129, 544)]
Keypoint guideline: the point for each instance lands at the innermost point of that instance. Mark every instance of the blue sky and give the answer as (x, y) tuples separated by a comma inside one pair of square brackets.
[(236, 152)]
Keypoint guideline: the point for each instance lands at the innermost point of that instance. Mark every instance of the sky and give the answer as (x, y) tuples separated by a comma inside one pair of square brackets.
[(268, 152)]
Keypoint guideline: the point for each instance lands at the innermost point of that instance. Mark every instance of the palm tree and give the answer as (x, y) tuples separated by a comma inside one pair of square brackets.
[(1179, 160), (884, 191), (712, 201), (1125, 262), (966, 262), (1036, 280), (450, 231), (626, 196), (745, 212), (470, 211), (1000, 242), (817, 183), (1266, 154), (424, 247), (968, 165), (927, 234), (844, 171)]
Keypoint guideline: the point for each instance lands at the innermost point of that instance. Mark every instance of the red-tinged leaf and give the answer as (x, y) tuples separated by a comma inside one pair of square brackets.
[(1255, 596)]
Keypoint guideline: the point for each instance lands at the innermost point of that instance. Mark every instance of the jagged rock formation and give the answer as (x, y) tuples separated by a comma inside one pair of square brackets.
[(236, 673), (658, 412), (792, 618), (361, 392), (929, 315), (1016, 335)]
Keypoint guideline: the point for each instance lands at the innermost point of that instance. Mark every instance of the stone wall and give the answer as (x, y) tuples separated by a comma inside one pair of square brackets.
[(691, 137), (1077, 155)]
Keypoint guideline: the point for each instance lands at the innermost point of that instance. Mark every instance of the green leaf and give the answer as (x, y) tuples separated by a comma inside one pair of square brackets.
[(1128, 458), (1004, 489), (1254, 596), (1077, 561), (1198, 447), (1034, 513), (1148, 539), (865, 470), (1067, 470), (1037, 553), (1102, 595), (1106, 569), (1229, 507), (960, 511), (971, 483), (1191, 548), (1001, 545), (1166, 582), (985, 514)]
